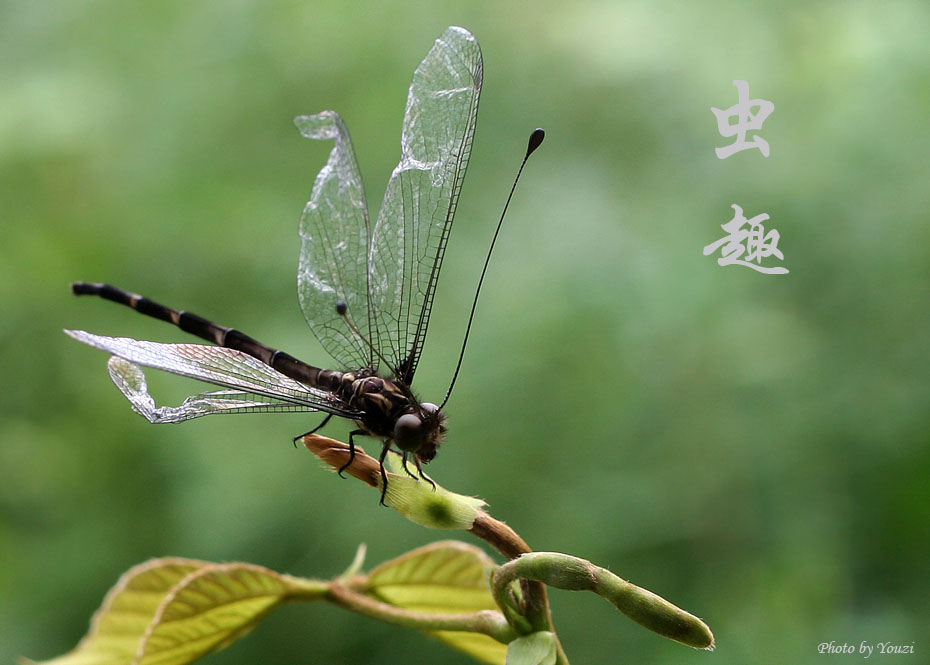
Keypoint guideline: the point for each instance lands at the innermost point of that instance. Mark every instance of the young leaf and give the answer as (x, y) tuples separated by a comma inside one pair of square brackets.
[(127, 610), (209, 610), (173, 611), (533, 649), (447, 576)]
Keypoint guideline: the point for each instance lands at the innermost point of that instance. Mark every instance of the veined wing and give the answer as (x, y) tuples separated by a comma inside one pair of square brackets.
[(413, 226), (222, 367), (130, 380), (335, 234)]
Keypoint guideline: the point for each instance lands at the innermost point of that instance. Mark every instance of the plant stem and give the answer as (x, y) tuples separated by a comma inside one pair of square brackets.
[(500, 536), (488, 622), (564, 571), (536, 603)]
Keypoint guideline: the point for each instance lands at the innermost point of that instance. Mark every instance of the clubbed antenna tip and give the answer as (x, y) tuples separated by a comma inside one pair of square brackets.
[(536, 139)]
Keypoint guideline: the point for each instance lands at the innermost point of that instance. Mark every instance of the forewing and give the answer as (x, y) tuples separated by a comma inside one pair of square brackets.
[(334, 235), (413, 226), (220, 366), (130, 380)]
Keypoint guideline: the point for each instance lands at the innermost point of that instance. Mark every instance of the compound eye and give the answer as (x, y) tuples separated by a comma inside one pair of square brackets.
[(408, 432), (429, 409)]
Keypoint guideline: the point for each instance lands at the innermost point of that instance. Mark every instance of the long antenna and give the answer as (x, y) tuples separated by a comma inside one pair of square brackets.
[(536, 139)]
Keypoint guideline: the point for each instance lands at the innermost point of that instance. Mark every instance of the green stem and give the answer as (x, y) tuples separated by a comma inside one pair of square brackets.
[(496, 533), (573, 574), (302, 588), (536, 604), (487, 622)]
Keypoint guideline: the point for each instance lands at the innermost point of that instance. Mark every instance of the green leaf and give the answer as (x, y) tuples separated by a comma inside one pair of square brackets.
[(127, 610), (533, 649), (444, 577), (173, 611), (209, 610)]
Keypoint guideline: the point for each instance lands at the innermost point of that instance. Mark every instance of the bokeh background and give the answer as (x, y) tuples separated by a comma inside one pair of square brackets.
[(753, 447)]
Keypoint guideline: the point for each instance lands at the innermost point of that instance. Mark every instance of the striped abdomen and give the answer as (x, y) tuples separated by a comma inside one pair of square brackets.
[(221, 335)]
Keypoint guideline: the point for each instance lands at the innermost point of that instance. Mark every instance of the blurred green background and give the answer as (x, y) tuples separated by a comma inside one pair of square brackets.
[(752, 447)]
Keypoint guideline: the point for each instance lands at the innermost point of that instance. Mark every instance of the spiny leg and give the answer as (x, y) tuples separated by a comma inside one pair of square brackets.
[(416, 460), (404, 464), (384, 480), (352, 452), (314, 430)]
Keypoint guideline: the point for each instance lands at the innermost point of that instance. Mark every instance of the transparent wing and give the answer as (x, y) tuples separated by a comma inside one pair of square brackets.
[(220, 366), (130, 379), (334, 235), (413, 226)]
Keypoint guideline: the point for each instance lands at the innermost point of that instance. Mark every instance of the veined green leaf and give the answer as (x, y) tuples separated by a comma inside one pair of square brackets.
[(127, 611), (173, 611), (446, 576), (443, 577), (210, 609)]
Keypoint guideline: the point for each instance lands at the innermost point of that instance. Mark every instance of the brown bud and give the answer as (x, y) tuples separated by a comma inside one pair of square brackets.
[(336, 454)]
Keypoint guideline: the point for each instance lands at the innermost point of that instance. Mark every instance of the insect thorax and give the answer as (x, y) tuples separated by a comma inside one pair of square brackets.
[(382, 400)]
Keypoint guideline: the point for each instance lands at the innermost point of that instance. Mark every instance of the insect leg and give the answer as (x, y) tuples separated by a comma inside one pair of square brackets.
[(314, 430), (404, 463), (352, 452), (416, 460), (384, 481)]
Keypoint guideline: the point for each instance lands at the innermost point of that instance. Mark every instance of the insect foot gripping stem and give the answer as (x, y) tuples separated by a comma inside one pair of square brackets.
[(421, 504)]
